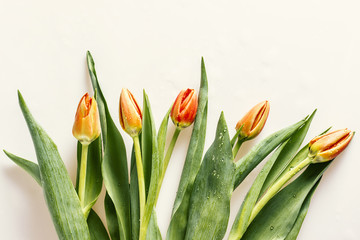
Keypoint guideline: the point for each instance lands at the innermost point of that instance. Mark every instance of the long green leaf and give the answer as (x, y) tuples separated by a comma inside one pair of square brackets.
[(150, 155), (134, 196), (242, 218), (30, 167), (272, 169), (247, 163), (161, 139), (302, 214), (287, 154), (111, 218), (210, 200), (59, 192), (114, 165), (278, 217), (96, 227), (177, 227), (93, 182)]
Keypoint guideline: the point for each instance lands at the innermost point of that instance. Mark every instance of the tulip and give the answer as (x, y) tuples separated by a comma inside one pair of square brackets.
[(86, 129), (130, 113), (87, 123), (321, 149), (184, 108), (253, 122), (326, 147)]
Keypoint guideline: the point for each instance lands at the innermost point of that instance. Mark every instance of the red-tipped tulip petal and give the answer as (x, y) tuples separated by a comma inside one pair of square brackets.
[(184, 109), (129, 113), (328, 146), (87, 123), (254, 121)]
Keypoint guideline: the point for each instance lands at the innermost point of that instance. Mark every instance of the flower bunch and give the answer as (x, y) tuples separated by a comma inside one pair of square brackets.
[(271, 209)]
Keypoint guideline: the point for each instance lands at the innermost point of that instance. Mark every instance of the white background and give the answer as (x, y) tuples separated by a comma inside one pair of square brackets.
[(299, 55)]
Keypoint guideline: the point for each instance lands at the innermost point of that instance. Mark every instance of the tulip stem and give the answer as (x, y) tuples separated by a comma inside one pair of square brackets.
[(82, 177), (140, 174), (237, 146), (167, 159), (270, 192)]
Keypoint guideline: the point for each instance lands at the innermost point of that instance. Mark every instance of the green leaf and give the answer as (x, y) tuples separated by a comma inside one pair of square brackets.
[(30, 167), (161, 138), (287, 154), (59, 192), (96, 227), (277, 218), (302, 213), (247, 163), (242, 218), (271, 170), (93, 182), (111, 218), (134, 196), (210, 200), (150, 156), (153, 232), (177, 227), (114, 165)]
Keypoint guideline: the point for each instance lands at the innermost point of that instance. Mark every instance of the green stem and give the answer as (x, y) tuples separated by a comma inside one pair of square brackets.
[(237, 146), (141, 183), (277, 186), (82, 177), (167, 159)]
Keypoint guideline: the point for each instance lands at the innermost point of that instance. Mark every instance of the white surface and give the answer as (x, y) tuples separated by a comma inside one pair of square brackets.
[(299, 55)]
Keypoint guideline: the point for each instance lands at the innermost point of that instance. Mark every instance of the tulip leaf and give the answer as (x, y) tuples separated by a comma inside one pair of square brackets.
[(134, 197), (93, 182), (30, 167), (111, 218), (59, 192), (287, 154), (242, 218), (150, 154), (302, 214), (210, 200), (247, 163), (161, 138), (96, 227), (178, 222), (277, 218), (272, 169), (114, 165), (153, 232)]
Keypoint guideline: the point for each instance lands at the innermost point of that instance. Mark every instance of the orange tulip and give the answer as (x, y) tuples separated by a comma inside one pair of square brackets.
[(326, 147), (184, 109), (87, 123), (129, 113), (253, 122)]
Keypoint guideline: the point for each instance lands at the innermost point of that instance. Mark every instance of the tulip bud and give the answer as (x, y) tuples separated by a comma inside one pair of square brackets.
[(326, 147), (129, 113), (253, 122), (184, 109), (87, 123)]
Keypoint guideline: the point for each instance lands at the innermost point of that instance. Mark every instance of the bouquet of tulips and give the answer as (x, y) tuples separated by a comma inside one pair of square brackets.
[(272, 208)]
